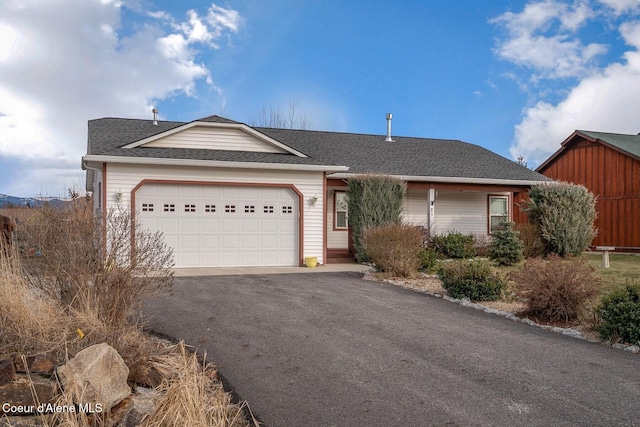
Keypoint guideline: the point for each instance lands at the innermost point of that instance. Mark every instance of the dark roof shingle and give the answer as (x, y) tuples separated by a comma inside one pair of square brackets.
[(362, 153)]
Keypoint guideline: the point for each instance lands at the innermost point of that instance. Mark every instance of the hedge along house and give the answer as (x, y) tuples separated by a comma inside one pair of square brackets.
[(608, 164), (227, 194)]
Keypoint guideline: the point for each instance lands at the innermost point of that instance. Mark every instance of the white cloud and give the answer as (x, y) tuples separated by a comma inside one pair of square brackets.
[(64, 62), (605, 101), (622, 6), (542, 38)]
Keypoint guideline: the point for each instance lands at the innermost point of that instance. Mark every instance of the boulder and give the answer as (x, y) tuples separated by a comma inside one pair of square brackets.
[(19, 394), (27, 421), (97, 375), (143, 403), (149, 372), (7, 371), (40, 363)]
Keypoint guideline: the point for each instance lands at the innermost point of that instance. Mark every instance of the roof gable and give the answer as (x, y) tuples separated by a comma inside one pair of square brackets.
[(626, 144), (215, 135)]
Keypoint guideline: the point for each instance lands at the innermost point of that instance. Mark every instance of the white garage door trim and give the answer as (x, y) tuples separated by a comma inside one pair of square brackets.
[(195, 223)]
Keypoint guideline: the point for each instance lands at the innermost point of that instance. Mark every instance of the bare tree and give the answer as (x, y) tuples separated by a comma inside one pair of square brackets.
[(276, 117)]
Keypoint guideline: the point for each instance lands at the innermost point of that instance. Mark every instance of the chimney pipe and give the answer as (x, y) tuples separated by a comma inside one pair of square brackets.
[(389, 118), (155, 116)]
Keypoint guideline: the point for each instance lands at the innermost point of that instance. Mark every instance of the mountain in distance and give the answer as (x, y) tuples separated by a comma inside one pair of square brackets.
[(29, 202)]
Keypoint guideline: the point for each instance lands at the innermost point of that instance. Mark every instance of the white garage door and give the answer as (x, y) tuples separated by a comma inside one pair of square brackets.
[(223, 226)]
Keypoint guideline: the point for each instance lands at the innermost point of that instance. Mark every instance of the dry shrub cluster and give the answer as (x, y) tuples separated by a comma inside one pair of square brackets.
[(394, 248), (64, 276), (556, 289), (191, 398)]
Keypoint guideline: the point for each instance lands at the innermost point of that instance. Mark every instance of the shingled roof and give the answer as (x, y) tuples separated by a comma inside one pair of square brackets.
[(362, 153)]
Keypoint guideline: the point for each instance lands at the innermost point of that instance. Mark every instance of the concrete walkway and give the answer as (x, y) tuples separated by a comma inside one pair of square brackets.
[(235, 271)]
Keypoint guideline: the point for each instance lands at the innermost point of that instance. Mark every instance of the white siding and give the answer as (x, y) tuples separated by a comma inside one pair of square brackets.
[(336, 239), (123, 178), (461, 211), (416, 207), (97, 191), (209, 138)]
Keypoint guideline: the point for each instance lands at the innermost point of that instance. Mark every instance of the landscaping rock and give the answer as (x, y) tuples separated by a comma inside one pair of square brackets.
[(632, 349), (149, 373), (97, 375), (41, 363), (43, 420), (572, 333), (7, 371), (142, 405), (18, 394)]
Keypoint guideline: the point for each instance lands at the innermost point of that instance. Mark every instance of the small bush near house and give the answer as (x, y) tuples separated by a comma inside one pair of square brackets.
[(393, 248), (475, 280), (506, 248), (529, 234), (556, 289), (619, 314), (427, 258), (374, 200), (455, 245), (565, 215)]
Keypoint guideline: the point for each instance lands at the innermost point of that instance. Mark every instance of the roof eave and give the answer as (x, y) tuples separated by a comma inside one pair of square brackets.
[(454, 180), (93, 160)]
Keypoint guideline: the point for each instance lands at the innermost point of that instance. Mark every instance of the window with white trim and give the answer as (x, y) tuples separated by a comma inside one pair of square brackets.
[(498, 211), (341, 208)]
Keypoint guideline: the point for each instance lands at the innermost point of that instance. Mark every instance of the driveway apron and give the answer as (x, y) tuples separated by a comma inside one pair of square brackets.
[(331, 349)]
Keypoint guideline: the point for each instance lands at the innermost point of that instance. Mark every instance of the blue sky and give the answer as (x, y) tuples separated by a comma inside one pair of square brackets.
[(516, 77)]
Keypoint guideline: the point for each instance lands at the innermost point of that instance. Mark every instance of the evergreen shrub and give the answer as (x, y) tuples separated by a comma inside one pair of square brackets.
[(475, 280), (374, 200)]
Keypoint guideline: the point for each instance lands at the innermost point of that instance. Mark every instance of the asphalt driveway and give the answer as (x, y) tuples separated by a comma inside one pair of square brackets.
[(332, 349)]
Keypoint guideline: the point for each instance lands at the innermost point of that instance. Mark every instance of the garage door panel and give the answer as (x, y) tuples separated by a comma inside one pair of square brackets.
[(191, 225), (169, 225), (216, 225), (230, 242), (189, 242), (169, 191), (210, 242), (230, 225), (209, 225)]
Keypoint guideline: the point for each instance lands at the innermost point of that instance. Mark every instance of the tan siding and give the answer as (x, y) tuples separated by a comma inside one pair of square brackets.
[(416, 207), (208, 138), (125, 177), (463, 211)]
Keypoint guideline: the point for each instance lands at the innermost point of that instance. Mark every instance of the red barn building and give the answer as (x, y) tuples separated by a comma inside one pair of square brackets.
[(608, 164)]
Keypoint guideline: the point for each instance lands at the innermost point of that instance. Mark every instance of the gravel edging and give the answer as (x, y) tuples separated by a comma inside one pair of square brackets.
[(465, 302)]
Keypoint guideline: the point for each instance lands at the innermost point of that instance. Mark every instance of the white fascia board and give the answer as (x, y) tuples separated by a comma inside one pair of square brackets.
[(92, 158), (452, 180), (240, 126)]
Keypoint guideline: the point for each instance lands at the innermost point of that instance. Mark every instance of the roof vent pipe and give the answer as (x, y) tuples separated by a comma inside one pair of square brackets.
[(389, 118), (155, 116)]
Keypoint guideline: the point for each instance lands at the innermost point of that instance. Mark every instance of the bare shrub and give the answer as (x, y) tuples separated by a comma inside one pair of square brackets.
[(193, 398), (394, 248), (556, 289), (85, 265)]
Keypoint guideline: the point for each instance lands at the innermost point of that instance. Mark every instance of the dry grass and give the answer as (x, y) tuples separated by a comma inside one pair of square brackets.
[(193, 398), (68, 289)]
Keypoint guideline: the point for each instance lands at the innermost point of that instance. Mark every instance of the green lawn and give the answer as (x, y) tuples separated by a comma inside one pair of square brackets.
[(623, 268)]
